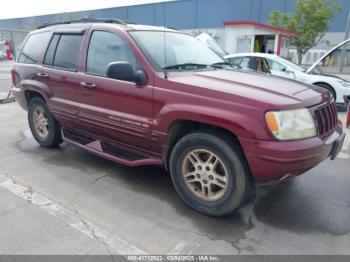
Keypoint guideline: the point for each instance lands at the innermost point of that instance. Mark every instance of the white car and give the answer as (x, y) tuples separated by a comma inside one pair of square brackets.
[(212, 44), (323, 73), (278, 66)]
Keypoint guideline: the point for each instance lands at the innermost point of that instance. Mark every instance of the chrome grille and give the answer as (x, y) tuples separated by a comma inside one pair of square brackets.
[(326, 119)]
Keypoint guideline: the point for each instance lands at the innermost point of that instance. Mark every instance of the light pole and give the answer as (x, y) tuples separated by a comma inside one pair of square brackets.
[(343, 51)]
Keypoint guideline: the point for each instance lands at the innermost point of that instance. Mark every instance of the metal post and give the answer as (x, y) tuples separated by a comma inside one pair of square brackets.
[(343, 51), (13, 46)]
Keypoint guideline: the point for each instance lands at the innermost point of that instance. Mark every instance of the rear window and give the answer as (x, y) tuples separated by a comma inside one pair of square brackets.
[(34, 48), (67, 52)]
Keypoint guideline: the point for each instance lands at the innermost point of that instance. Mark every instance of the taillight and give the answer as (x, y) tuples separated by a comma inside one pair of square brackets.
[(13, 76)]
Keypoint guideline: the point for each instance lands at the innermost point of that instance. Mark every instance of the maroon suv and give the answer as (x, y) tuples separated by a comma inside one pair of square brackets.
[(142, 95)]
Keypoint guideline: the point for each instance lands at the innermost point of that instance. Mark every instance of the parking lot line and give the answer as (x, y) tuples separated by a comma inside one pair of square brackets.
[(114, 244)]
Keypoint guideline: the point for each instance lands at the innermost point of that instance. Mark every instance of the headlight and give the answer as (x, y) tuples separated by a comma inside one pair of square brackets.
[(291, 124)]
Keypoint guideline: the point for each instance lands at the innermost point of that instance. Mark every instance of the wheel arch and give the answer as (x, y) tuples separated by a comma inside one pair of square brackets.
[(182, 127), (34, 88), (320, 83), (30, 94)]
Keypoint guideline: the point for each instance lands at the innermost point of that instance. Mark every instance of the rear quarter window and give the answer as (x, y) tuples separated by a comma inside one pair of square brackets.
[(34, 48)]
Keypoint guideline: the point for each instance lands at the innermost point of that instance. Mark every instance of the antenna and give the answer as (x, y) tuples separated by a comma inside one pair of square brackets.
[(164, 40)]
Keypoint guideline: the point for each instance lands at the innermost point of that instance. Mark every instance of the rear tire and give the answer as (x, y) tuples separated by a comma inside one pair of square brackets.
[(210, 173), (44, 127)]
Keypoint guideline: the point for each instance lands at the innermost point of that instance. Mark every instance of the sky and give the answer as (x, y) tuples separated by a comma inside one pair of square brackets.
[(22, 8)]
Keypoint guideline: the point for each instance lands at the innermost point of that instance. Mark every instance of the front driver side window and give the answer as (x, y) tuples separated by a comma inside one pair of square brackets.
[(241, 62), (275, 66), (105, 48)]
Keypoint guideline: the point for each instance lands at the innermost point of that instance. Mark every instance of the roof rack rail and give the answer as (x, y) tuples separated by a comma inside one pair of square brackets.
[(86, 20)]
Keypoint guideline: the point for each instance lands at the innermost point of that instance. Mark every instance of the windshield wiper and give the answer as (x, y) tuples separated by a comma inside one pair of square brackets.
[(186, 66), (221, 64)]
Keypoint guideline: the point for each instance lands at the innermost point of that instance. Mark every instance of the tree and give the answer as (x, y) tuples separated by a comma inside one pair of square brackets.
[(310, 20)]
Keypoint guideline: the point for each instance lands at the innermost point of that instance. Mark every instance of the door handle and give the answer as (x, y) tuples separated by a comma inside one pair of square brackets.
[(42, 75), (87, 85)]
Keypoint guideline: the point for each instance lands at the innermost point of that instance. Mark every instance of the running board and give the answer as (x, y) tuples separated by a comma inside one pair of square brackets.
[(110, 151)]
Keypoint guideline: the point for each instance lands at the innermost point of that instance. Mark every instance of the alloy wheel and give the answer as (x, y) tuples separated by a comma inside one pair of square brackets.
[(205, 174)]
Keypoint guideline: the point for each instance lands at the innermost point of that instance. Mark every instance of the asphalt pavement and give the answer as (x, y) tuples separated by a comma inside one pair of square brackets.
[(67, 201)]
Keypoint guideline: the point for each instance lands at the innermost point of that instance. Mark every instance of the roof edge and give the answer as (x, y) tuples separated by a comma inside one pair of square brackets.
[(265, 26)]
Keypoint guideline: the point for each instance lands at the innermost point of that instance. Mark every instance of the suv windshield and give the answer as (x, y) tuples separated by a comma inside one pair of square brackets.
[(183, 52)]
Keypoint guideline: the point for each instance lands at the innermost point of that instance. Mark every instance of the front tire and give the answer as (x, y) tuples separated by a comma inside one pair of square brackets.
[(209, 173), (44, 127)]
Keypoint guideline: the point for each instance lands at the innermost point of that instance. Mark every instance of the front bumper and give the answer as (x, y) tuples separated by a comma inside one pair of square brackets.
[(277, 160)]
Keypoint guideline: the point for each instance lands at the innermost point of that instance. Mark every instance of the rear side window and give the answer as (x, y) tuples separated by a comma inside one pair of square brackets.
[(34, 48), (67, 52), (50, 53), (104, 48)]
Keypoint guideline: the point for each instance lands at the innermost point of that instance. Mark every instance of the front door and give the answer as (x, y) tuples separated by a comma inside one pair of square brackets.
[(112, 109)]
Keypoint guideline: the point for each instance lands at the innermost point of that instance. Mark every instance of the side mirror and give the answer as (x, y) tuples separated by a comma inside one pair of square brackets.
[(347, 99), (290, 73), (124, 71)]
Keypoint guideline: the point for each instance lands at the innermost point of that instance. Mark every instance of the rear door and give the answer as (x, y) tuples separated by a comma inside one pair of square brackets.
[(59, 73), (114, 109)]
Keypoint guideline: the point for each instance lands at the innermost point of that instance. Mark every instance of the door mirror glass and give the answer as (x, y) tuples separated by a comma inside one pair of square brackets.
[(124, 71)]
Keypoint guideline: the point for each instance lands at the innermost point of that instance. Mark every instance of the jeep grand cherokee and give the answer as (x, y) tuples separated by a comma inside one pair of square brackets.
[(144, 95)]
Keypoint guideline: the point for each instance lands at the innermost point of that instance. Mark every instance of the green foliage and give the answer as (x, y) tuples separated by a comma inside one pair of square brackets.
[(310, 20)]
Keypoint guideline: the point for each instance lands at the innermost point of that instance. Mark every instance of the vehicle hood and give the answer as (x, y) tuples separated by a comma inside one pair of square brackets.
[(326, 77), (327, 54), (247, 86), (212, 44)]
